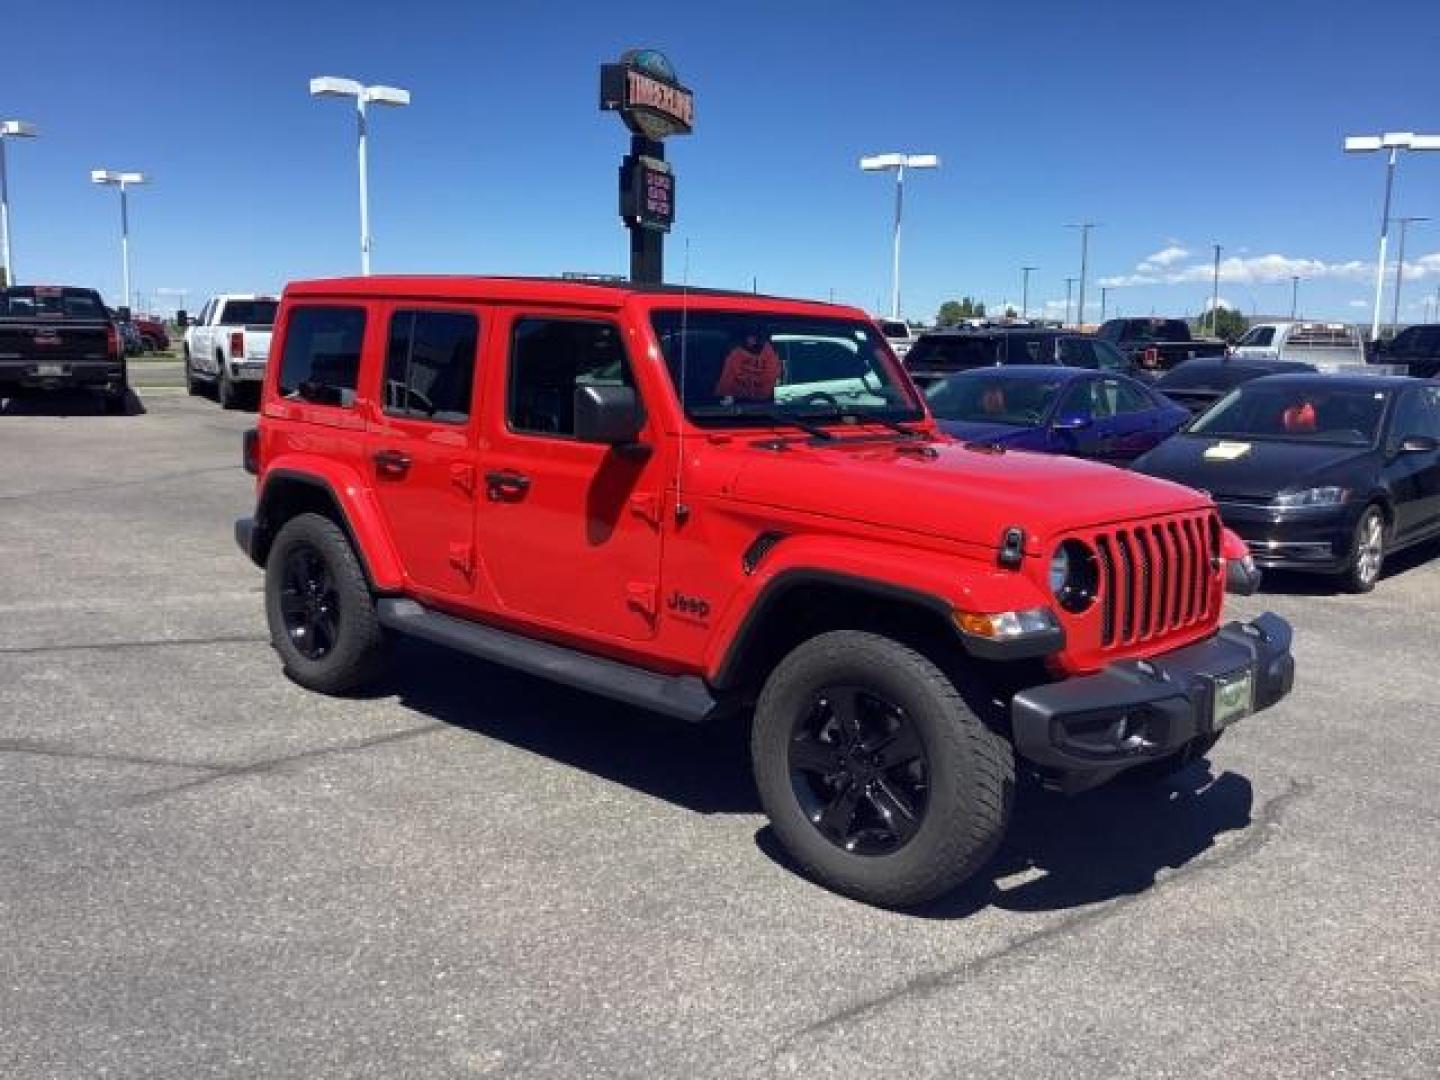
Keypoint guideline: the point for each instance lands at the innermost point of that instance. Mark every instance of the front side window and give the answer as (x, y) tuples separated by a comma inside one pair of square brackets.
[(430, 364), (1125, 398), (738, 367), (1257, 337), (321, 361), (1418, 413), (549, 359)]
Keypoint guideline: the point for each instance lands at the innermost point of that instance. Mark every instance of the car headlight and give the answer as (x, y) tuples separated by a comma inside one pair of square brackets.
[(1006, 625), (1074, 576), (1305, 497)]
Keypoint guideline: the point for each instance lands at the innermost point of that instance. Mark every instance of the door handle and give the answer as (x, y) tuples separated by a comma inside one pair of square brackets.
[(392, 462), (504, 482)]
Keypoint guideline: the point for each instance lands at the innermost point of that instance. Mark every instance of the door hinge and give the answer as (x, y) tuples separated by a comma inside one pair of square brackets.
[(647, 506), (462, 557), (640, 595), (463, 477)]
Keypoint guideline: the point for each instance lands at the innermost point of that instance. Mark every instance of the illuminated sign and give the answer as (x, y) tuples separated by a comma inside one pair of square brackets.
[(644, 89), (647, 193)]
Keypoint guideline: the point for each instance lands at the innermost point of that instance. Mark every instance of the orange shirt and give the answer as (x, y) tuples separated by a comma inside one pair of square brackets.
[(749, 376)]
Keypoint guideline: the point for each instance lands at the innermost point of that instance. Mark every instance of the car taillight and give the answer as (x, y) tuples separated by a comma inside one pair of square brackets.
[(237, 343), (112, 341), (1150, 357), (250, 451)]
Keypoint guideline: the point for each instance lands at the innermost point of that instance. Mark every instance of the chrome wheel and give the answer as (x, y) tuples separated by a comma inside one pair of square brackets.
[(1369, 548)]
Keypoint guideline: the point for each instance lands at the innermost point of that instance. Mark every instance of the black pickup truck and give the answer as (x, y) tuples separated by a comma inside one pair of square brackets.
[(1154, 346), (1418, 348), (54, 337)]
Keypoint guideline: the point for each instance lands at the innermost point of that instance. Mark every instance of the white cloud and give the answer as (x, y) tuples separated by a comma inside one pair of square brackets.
[(1358, 304), (1263, 269), (1166, 256)]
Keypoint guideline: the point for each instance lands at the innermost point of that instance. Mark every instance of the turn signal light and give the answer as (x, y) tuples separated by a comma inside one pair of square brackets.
[(237, 343), (1006, 625)]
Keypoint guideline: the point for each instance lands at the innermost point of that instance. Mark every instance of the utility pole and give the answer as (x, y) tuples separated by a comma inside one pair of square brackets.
[(1294, 294), (1404, 223), (1069, 284), (1025, 291), (1215, 295), (1084, 227), (1104, 300)]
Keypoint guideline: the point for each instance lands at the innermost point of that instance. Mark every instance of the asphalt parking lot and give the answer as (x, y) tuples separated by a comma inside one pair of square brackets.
[(206, 871)]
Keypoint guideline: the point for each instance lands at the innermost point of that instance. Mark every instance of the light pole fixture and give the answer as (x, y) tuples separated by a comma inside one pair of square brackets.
[(331, 86), (1084, 227), (1025, 291), (897, 163), (9, 129), (1394, 141), (124, 181), (1069, 288), (1404, 223)]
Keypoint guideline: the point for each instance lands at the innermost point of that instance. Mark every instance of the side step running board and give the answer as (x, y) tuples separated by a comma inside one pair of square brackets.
[(681, 696)]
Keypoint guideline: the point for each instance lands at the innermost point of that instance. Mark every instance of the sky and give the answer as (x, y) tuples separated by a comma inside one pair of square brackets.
[(1174, 126)]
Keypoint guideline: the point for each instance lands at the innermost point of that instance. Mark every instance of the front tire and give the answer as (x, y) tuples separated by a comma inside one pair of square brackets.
[(876, 776), (192, 384), (320, 609), (1367, 552)]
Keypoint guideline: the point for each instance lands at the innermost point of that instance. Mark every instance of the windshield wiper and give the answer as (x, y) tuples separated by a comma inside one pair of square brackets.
[(781, 419)]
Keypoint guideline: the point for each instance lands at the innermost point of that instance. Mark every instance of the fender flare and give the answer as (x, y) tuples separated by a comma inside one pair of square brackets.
[(358, 510)]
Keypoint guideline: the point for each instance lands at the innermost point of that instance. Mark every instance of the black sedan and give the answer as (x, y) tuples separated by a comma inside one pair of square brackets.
[(1325, 473)]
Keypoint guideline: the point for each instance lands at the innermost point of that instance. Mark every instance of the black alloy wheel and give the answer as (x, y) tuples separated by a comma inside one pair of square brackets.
[(860, 771), (309, 602)]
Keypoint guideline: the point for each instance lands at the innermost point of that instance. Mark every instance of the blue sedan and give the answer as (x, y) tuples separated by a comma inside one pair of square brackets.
[(1056, 410)]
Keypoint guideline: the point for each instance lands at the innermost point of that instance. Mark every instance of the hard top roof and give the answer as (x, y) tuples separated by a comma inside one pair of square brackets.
[(1347, 382)]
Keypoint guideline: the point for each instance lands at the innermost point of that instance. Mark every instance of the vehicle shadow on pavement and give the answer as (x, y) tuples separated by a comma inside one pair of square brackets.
[(1296, 583), (703, 768), (1066, 852), (61, 403)]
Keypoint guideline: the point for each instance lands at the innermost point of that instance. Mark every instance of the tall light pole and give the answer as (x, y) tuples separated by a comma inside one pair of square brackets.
[(1404, 223), (1069, 285), (1294, 294), (1104, 300), (1215, 293), (1394, 141), (330, 86), (9, 129), (1025, 291), (898, 163), (1084, 227), (124, 181)]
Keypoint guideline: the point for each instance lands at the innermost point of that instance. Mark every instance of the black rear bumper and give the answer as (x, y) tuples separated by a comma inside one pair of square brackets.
[(1090, 728), (60, 374)]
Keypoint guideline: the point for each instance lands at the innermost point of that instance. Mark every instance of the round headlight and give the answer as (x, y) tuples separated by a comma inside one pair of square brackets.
[(1074, 576)]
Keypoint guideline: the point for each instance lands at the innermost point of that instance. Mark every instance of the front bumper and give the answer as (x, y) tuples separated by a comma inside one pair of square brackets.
[(62, 373), (1090, 728), (1318, 540)]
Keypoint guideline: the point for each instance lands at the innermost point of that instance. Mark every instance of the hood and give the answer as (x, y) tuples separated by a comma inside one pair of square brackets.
[(983, 432), (1257, 474), (957, 493)]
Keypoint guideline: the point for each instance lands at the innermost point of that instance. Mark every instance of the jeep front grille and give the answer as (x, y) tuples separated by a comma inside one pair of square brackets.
[(1156, 577)]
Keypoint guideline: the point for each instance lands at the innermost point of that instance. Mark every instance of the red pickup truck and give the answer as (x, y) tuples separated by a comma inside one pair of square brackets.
[(734, 508)]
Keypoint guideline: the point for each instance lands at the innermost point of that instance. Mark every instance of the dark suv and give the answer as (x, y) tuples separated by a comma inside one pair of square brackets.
[(1417, 347), (946, 352)]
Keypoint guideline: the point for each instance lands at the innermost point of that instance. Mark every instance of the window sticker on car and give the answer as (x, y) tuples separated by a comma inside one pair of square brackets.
[(1227, 451)]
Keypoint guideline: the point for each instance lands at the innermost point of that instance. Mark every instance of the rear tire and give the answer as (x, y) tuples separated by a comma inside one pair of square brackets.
[(320, 609), (1367, 552), (907, 805), (225, 388)]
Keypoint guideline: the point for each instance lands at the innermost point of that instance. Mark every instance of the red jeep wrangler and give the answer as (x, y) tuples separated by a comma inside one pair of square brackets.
[(708, 504)]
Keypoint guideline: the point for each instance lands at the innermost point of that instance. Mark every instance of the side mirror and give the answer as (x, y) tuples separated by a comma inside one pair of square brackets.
[(1419, 444), (608, 414), (1071, 423)]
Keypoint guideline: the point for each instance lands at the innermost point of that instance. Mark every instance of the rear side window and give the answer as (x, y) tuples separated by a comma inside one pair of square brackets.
[(321, 362), (430, 364), (549, 358)]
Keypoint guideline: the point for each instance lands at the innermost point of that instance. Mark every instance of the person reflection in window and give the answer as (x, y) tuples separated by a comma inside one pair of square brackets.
[(751, 370)]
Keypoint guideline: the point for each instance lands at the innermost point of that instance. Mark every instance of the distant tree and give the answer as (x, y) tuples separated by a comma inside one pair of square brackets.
[(1226, 323), (953, 312), (1010, 312)]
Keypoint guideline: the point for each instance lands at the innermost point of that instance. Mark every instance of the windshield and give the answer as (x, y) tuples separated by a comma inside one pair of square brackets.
[(1297, 411), (894, 329), (249, 313), (737, 367), (39, 301), (993, 399)]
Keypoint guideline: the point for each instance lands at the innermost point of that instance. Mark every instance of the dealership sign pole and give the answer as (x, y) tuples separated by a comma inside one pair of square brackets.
[(644, 89)]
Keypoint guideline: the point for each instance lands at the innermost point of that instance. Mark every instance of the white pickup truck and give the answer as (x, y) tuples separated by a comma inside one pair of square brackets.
[(227, 345), (1327, 347)]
